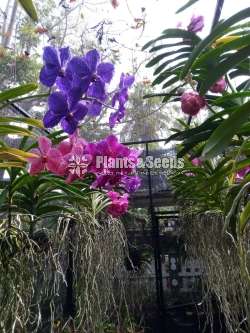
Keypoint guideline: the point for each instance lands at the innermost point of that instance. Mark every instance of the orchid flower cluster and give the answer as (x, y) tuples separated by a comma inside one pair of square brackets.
[(80, 88), (74, 158), (191, 101)]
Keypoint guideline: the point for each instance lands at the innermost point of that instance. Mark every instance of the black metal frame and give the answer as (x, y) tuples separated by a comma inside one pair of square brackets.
[(155, 216)]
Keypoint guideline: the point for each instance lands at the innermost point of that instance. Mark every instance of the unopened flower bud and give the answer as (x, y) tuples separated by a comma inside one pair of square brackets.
[(191, 103)]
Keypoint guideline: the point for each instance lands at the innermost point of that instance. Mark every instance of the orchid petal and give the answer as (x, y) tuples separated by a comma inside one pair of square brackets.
[(106, 71), (58, 103), (50, 56), (94, 109), (48, 75), (44, 144), (80, 111), (77, 66), (92, 58), (69, 124), (37, 167), (64, 55), (50, 119), (97, 90)]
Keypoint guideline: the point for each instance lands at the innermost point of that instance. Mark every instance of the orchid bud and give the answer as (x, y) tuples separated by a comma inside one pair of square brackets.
[(191, 103), (196, 161), (219, 86), (196, 24)]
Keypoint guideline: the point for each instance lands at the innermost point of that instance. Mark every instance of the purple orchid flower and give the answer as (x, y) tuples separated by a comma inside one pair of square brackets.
[(131, 183), (89, 76), (121, 97), (54, 64), (196, 24), (61, 111)]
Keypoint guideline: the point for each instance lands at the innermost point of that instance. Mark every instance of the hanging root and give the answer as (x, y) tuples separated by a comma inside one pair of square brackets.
[(33, 277), (223, 278)]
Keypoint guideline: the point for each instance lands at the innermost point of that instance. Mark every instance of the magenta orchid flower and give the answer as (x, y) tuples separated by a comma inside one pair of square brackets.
[(119, 204), (241, 174), (196, 161)]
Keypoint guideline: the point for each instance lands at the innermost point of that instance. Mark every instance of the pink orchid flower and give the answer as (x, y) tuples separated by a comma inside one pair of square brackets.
[(48, 158)]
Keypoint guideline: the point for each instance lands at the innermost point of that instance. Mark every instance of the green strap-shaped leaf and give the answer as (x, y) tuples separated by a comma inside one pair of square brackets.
[(166, 46), (222, 68), (230, 97), (29, 121), (29, 8), (9, 153), (219, 31), (187, 5), (169, 61), (175, 33), (18, 91), (216, 52), (158, 58), (224, 132), (162, 67), (175, 70), (11, 129), (10, 164)]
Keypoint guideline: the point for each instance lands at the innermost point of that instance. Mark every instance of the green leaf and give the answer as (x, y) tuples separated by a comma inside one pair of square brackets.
[(225, 132), (168, 62), (163, 76), (29, 8), (187, 5), (18, 91), (158, 58), (222, 68), (8, 153), (174, 33), (214, 53), (11, 129), (244, 217), (164, 46), (29, 121), (162, 67), (219, 31), (5, 165), (230, 97)]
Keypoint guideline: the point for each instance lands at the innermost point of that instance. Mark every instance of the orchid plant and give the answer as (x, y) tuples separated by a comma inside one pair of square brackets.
[(79, 89), (208, 80)]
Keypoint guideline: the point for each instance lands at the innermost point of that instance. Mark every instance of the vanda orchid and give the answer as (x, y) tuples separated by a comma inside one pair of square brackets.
[(79, 89)]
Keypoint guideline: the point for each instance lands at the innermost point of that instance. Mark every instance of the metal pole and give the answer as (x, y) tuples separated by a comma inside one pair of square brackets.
[(157, 253)]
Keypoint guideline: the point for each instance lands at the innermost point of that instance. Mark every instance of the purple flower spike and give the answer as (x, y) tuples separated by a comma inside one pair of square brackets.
[(196, 24), (59, 111), (121, 98), (54, 64)]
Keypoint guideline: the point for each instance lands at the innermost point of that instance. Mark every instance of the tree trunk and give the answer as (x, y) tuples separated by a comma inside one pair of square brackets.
[(9, 32), (5, 13)]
